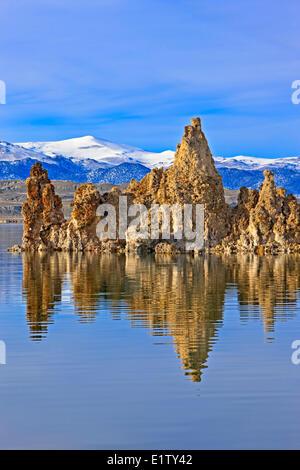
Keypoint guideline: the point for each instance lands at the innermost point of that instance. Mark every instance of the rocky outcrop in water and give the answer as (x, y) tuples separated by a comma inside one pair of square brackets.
[(79, 233), (45, 227), (192, 179), (42, 211), (265, 220)]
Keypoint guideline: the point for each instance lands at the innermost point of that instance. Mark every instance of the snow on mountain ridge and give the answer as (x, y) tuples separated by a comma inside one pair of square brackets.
[(86, 159), (103, 151), (257, 163), (89, 150), (13, 152)]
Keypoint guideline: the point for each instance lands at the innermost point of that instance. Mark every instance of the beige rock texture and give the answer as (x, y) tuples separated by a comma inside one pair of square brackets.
[(264, 221), (267, 220), (44, 225), (107, 244), (79, 233), (192, 179), (42, 211)]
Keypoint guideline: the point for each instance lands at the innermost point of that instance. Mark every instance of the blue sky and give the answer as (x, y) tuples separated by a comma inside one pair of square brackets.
[(136, 71)]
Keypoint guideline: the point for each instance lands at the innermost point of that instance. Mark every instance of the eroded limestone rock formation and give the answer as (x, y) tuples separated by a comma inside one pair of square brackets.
[(45, 227), (265, 220), (192, 179), (42, 211), (79, 233)]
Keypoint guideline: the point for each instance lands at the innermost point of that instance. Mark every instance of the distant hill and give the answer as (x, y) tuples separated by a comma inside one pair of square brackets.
[(94, 151), (87, 159), (13, 194)]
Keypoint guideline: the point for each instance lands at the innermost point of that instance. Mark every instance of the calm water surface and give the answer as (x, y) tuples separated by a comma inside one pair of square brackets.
[(148, 352)]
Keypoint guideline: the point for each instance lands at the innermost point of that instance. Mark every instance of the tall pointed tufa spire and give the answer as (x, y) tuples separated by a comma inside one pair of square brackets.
[(192, 179), (193, 153)]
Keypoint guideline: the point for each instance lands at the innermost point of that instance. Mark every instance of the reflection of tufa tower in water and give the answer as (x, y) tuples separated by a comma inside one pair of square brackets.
[(42, 287), (269, 282), (181, 297)]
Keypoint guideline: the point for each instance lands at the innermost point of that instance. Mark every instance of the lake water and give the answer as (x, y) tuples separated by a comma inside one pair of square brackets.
[(149, 352)]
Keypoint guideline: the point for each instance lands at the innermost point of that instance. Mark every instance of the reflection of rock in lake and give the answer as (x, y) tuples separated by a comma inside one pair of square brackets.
[(94, 280), (42, 287), (270, 283), (182, 298), (179, 297)]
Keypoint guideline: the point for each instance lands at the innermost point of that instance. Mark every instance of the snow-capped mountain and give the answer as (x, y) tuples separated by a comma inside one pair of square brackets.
[(255, 163), (13, 152), (107, 154), (248, 171), (89, 159)]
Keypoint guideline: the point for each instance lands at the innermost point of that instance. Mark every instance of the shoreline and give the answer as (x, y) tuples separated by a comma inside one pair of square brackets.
[(11, 222)]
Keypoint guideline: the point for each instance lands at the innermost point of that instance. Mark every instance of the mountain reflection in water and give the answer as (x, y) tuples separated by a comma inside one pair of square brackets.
[(179, 297)]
